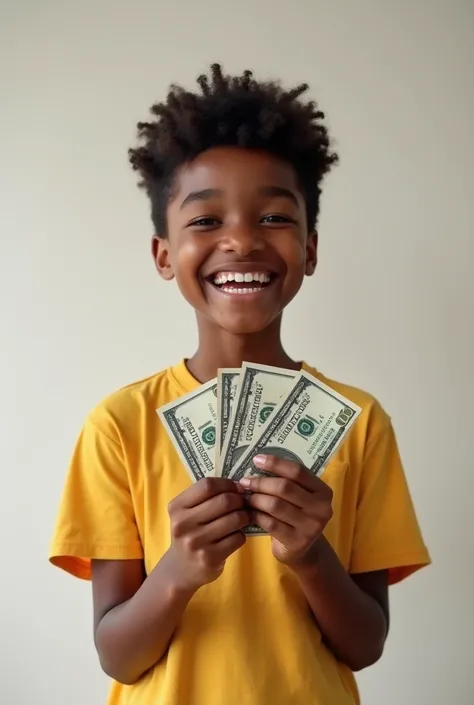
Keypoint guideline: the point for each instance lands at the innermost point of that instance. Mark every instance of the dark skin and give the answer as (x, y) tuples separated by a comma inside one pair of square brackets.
[(237, 210)]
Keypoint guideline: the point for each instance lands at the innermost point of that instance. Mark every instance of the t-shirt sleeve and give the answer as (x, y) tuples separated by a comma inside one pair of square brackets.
[(387, 535), (96, 519)]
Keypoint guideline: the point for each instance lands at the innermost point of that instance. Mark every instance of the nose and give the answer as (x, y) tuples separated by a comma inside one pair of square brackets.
[(241, 239)]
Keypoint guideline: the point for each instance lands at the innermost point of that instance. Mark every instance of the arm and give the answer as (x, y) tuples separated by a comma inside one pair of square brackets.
[(294, 507), (352, 612), (135, 616)]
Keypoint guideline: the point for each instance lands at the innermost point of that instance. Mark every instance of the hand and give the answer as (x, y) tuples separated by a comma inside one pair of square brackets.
[(206, 527), (292, 506)]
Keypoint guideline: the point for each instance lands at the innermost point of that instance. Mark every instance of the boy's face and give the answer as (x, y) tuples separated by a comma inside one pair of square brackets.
[(237, 215)]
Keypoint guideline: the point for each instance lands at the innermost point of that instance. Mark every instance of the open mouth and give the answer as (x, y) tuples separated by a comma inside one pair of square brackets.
[(242, 283)]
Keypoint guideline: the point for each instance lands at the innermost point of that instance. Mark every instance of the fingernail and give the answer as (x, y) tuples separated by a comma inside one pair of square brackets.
[(260, 460), (239, 488), (245, 482)]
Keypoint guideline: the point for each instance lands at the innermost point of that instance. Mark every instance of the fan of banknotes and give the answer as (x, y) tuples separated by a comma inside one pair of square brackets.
[(218, 428)]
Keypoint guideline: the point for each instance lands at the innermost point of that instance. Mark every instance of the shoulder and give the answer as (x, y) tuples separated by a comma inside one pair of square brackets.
[(132, 404)]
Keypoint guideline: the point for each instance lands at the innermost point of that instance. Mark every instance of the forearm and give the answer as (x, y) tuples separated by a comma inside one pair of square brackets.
[(353, 623), (133, 636)]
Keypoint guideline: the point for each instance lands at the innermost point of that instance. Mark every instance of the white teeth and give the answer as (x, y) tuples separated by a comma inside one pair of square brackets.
[(223, 277), (234, 290)]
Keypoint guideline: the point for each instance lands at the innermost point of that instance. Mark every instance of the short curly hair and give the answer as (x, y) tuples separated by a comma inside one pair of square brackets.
[(232, 111)]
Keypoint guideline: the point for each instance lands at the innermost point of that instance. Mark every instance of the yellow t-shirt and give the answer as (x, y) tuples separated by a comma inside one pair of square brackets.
[(249, 637)]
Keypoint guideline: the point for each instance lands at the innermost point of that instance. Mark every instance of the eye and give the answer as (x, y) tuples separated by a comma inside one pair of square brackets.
[(277, 219), (207, 221)]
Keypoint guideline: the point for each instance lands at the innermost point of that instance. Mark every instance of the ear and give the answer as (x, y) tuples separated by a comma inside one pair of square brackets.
[(161, 257), (311, 253)]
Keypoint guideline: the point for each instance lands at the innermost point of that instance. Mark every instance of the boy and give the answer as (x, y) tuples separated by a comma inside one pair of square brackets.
[(186, 610)]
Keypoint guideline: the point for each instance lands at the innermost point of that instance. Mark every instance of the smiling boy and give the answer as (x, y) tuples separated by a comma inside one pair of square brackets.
[(186, 610)]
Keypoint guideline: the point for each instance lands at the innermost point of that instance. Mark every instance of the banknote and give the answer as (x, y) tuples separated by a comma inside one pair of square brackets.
[(260, 390), (227, 383), (191, 422), (307, 427)]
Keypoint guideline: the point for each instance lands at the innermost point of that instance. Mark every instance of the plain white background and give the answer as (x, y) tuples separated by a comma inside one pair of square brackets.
[(391, 308)]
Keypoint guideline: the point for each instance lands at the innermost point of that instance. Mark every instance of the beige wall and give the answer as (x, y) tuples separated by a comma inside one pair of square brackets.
[(391, 309)]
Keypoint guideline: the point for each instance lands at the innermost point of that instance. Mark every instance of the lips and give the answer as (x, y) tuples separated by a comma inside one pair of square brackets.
[(242, 278), (238, 283)]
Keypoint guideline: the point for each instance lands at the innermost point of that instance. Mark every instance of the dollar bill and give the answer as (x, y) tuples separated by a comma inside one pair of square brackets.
[(191, 422), (260, 389), (227, 383), (307, 427)]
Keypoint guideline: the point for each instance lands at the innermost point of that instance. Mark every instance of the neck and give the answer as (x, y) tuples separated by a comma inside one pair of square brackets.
[(219, 348)]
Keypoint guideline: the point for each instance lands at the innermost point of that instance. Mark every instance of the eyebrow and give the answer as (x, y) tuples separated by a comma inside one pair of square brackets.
[(203, 195), (208, 193), (278, 192)]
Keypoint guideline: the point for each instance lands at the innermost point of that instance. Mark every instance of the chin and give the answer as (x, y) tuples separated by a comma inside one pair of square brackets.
[(245, 325)]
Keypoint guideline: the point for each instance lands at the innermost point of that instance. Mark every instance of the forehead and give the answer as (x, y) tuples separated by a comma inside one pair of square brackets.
[(234, 170)]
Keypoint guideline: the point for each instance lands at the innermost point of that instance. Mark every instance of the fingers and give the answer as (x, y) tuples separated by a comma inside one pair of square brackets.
[(196, 536), (203, 490), (279, 530), (290, 504), (223, 506), (217, 506), (224, 526), (276, 507), (230, 544), (289, 470), (307, 522), (278, 487)]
